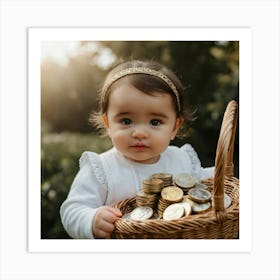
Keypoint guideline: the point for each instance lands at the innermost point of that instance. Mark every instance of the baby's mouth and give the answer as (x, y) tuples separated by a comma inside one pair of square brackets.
[(139, 146)]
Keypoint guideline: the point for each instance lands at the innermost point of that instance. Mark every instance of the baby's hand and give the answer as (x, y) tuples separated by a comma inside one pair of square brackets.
[(104, 221)]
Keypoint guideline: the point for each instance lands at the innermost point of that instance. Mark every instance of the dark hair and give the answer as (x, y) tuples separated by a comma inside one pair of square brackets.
[(147, 84)]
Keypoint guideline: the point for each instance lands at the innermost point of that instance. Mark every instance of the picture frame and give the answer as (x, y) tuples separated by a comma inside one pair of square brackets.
[(21, 246)]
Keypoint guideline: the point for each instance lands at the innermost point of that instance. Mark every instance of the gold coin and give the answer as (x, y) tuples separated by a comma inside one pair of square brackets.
[(141, 194), (165, 177), (162, 175), (152, 185), (173, 212), (157, 185), (200, 208), (199, 195), (184, 180), (144, 197), (163, 201), (172, 194), (141, 213)]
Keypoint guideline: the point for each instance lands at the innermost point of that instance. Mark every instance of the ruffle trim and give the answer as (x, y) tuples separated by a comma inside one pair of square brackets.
[(94, 160), (196, 164)]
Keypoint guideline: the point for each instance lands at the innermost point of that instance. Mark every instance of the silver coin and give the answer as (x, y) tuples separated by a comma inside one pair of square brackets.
[(200, 207), (199, 195), (201, 186), (174, 211), (127, 216), (227, 201), (187, 206), (184, 180), (141, 213)]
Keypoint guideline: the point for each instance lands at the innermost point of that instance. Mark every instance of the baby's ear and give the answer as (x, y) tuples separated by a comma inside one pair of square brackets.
[(105, 121), (178, 124)]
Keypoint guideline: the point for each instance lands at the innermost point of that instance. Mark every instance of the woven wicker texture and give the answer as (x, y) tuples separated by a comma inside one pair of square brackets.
[(217, 223)]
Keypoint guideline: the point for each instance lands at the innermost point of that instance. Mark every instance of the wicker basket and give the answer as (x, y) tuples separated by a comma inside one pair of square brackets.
[(217, 223)]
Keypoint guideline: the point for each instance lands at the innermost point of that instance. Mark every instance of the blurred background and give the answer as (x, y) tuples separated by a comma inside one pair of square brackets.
[(73, 72)]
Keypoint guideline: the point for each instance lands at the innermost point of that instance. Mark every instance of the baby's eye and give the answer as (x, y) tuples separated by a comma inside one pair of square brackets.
[(126, 121), (155, 122)]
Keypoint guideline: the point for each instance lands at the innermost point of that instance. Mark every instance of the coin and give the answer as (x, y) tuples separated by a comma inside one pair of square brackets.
[(165, 177), (199, 195), (200, 207), (141, 213), (200, 185), (144, 199), (184, 181), (186, 198), (162, 205), (227, 201), (153, 185), (188, 207), (126, 216), (174, 211), (172, 194), (147, 196)]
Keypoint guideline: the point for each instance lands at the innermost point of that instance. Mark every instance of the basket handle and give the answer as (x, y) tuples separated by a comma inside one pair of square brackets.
[(224, 158)]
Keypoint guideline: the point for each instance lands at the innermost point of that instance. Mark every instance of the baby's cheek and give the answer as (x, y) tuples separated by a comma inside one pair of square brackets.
[(119, 139)]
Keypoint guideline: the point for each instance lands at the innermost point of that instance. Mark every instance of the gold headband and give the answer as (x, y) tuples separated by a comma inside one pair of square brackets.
[(143, 70)]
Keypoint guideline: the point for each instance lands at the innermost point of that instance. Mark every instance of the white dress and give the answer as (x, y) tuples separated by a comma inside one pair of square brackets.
[(107, 178)]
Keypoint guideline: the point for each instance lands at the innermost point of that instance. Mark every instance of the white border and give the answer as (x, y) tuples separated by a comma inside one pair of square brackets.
[(262, 16), (38, 35)]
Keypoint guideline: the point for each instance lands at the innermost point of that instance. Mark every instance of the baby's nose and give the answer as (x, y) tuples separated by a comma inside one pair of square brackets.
[(140, 132)]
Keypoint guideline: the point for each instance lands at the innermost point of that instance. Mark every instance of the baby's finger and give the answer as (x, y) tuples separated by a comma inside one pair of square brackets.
[(102, 234), (116, 211), (110, 217), (105, 228)]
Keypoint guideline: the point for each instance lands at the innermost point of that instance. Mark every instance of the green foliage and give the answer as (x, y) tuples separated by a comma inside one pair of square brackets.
[(60, 153)]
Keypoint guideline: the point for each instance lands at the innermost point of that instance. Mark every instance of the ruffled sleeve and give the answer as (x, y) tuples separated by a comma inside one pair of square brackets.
[(197, 171), (88, 192), (93, 160)]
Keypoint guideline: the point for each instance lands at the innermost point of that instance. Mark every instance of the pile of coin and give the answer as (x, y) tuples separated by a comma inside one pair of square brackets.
[(150, 188), (199, 208), (169, 196), (199, 199), (160, 197), (148, 200), (162, 205), (167, 178), (153, 185)]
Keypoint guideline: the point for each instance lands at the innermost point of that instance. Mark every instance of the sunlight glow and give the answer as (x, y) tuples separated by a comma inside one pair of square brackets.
[(58, 51)]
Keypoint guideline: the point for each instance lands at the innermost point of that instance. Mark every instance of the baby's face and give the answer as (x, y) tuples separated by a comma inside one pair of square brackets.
[(141, 125)]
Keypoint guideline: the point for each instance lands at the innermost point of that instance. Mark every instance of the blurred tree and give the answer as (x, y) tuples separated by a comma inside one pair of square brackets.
[(69, 93)]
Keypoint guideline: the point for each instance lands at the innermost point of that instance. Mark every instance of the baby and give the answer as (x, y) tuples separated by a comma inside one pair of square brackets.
[(141, 110)]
